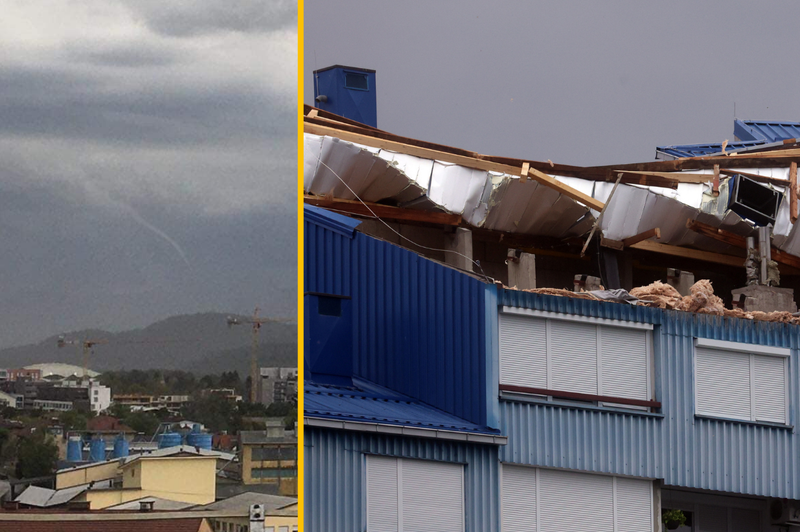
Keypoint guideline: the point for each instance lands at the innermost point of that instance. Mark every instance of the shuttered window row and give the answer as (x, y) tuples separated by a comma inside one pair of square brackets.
[(543, 500), (741, 385), (405, 495), (577, 357)]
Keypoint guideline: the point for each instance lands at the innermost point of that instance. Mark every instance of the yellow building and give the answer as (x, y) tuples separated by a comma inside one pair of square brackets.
[(182, 473), (269, 458), (85, 474)]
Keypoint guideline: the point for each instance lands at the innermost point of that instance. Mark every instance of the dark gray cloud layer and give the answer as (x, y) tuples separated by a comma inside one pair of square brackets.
[(186, 19), (575, 81), (147, 163)]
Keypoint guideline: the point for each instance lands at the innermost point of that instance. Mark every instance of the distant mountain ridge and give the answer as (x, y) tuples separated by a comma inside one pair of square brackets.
[(200, 343)]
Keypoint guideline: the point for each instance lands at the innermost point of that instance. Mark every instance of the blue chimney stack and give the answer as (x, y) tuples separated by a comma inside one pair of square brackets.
[(348, 92)]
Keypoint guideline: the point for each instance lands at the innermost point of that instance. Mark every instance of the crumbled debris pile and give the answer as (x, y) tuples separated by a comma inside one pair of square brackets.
[(701, 300), (562, 293), (658, 295)]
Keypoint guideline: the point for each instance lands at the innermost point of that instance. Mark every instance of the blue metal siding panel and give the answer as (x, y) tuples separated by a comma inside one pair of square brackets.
[(335, 476), (686, 451), (420, 328), (769, 130), (326, 261)]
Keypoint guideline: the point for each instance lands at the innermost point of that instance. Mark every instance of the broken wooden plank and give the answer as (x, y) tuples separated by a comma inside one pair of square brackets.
[(715, 182), (779, 256), (613, 244), (645, 235), (524, 174), (687, 253), (755, 177), (469, 162), (677, 177), (793, 192), (385, 212)]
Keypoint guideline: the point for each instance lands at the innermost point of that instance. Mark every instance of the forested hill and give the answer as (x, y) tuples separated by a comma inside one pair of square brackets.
[(200, 343)]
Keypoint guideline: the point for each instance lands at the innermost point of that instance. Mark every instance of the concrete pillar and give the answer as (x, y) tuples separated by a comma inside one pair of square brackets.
[(461, 243), (521, 270)]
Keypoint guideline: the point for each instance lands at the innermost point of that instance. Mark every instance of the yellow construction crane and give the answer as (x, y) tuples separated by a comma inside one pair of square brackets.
[(87, 350), (256, 322)]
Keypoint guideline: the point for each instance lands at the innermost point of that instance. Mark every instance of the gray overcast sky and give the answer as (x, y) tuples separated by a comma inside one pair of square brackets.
[(148, 156), (576, 82)]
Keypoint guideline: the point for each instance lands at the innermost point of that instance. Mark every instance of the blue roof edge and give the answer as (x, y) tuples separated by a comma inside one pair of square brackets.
[(330, 220)]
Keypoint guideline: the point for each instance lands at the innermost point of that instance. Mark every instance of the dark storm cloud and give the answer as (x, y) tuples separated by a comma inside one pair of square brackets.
[(67, 264), (131, 55), (187, 19), (144, 175), (65, 103)]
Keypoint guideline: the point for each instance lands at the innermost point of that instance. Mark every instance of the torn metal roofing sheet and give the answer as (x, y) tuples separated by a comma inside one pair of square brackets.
[(45, 498), (485, 199), (767, 130), (370, 403), (699, 150), (635, 209)]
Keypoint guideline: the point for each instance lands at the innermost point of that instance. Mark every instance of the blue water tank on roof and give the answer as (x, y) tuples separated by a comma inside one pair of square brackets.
[(74, 449), (97, 450), (201, 440), (169, 439), (121, 447), (347, 91)]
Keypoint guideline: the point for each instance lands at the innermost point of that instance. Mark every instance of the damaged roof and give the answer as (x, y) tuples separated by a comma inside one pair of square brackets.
[(346, 163)]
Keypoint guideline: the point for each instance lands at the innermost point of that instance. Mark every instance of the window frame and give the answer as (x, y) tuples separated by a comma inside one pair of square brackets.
[(600, 400), (366, 77), (753, 350)]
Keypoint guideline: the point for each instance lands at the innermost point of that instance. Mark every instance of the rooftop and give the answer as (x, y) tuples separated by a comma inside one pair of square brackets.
[(369, 403)]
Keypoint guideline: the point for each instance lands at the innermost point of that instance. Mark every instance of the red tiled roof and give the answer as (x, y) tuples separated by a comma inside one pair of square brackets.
[(107, 423), (131, 525)]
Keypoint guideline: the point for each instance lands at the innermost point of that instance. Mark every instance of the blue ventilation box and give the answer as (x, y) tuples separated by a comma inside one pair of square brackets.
[(348, 92)]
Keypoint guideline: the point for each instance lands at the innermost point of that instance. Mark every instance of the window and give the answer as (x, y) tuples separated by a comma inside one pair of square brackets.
[(586, 358), (356, 81), (273, 472), (406, 495), (545, 500), (741, 381)]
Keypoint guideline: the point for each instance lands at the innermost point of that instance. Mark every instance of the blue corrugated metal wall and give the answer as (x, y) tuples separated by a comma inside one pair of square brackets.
[(419, 326), (679, 448), (334, 498)]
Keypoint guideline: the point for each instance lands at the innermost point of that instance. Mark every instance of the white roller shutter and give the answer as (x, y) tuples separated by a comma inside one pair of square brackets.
[(722, 383), (573, 357), (518, 510), (575, 502), (523, 351), (382, 496), (634, 505), (624, 363), (739, 385), (433, 496), (769, 388), (405, 495)]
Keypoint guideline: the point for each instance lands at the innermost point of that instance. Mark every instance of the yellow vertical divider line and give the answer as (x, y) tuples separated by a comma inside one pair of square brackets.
[(300, 313)]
